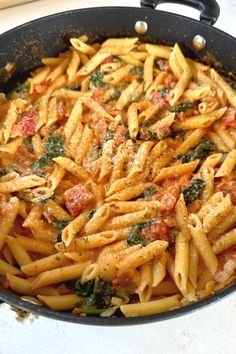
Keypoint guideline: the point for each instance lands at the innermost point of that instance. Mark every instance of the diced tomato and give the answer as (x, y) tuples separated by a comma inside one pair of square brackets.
[(42, 87), (171, 190), (76, 198), (27, 125), (108, 60), (230, 252), (229, 118), (24, 158), (228, 187), (60, 110), (181, 116), (158, 230), (170, 81), (120, 135)]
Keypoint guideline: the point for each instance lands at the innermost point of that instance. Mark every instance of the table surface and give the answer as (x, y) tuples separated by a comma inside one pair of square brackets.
[(210, 330)]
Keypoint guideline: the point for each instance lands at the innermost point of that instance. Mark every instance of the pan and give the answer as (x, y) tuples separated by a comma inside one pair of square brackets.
[(27, 44)]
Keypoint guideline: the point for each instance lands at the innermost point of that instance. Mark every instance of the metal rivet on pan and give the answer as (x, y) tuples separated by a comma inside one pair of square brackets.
[(199, 42), (141, 27)]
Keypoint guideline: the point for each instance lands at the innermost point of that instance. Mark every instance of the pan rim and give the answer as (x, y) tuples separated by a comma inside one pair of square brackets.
[(15, 300), (100, 8), (19, 303)]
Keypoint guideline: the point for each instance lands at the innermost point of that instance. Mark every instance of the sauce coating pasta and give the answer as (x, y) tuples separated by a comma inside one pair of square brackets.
[(117, 180)]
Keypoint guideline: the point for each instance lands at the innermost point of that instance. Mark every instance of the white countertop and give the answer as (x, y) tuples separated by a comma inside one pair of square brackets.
[(210, 330)]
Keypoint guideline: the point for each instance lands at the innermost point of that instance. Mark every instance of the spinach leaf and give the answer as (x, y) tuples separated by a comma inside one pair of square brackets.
[(193, 191), (182, 107), (97, 79), (149, 191), (136, 70), (75, 87), (53, 148), (60, 225), (201, 151)]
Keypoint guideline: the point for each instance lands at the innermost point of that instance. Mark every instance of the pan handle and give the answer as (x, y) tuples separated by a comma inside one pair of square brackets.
[(210, 9)]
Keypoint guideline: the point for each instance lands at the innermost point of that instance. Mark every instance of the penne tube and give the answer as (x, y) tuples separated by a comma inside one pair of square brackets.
[(119, 222), (133, 206), (37, 246), (98, 219), (6, 268), (23, 286), (18, 252), (21, 183), (201, 242), (158, 270), (201, 121), (73, 228), (191, 141), (82, 47), (176, 170), (54, 276), (61, 302), (224, 135), (140, 158), (166, 287), (224, 225), (224, 242), (143, 255), (193, 264), (106, 166), (100, 239), (148, 71), (144, 290), (217, 213), (228, 165), (181, 214), (229, 92), (159, 51), (206, 209), (72, 167), (72, 121), (151, 307), (181, 262), (56, 260)]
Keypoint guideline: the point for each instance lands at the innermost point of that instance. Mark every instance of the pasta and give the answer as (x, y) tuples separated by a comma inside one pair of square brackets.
[(117, 180)]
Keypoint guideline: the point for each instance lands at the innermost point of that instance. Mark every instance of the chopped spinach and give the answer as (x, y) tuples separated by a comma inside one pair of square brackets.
[(193, 191), (60, 225), (84, 289), (182, 107), (53, 148), (136, 70), (97, 293), (201, 151), (109, 135), (147, 123), (150, 191), (135, 235), (75, 87), (163, 91), (116, 95), (97, 79)]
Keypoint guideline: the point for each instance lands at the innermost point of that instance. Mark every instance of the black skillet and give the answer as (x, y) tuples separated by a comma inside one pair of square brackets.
[(27, 44)]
